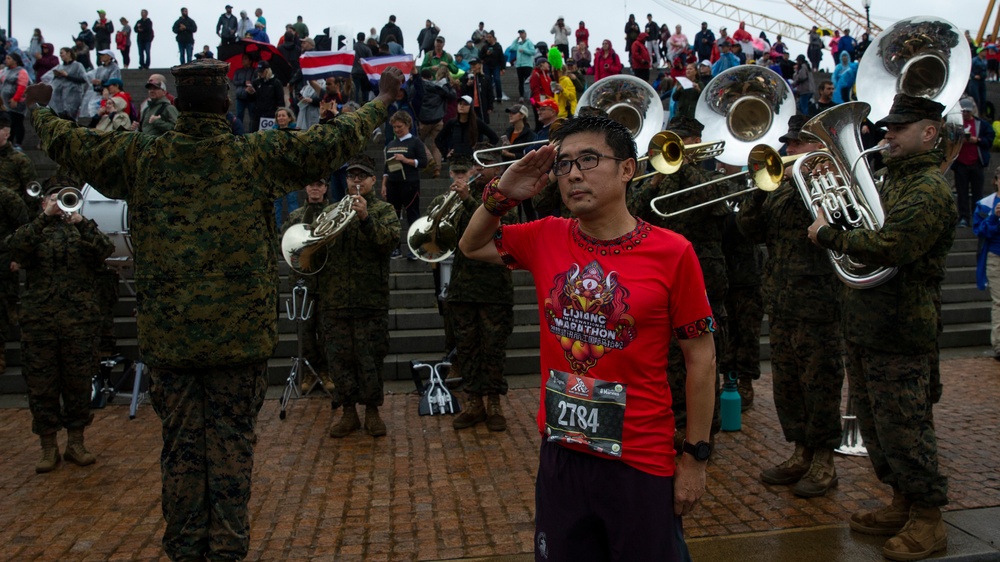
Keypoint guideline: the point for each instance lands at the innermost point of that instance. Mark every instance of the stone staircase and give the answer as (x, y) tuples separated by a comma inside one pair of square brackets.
[(416, 328)]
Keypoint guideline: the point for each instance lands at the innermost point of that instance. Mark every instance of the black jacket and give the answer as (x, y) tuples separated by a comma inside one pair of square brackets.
[(186, 36)]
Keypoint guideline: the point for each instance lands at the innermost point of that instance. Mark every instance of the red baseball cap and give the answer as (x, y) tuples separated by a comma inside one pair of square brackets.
[(551, 104)]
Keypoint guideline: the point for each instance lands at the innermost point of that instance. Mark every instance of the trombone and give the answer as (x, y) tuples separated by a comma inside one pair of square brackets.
[(764, 165), (666, 152), (475, 155)]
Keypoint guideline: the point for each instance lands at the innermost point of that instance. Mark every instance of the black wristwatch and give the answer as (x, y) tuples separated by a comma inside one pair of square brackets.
[(700, 450)]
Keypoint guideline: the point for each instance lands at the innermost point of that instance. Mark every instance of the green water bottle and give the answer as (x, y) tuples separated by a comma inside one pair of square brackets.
[(731, 401)]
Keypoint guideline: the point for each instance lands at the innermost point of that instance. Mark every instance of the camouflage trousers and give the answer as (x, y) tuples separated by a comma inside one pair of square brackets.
[(107, 298), (481, 332), (313, 341), (807, 376), (895, 412), (677, 376), (745, 311), (9, 289), (60, 367), (209, 417), (356, 346)]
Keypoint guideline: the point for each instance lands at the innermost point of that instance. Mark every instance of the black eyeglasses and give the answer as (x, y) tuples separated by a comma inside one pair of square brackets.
[(585, 162), (357, 176)]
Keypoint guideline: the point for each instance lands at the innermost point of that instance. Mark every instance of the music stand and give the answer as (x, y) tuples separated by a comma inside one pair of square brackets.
[(299, 308)]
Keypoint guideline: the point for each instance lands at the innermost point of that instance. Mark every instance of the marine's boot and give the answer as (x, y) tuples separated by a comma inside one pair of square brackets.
[(327, 381), (347, 423), (373, 422), (821, 477), (50, 455), (745, 388), (308, 380), (474, 412), (923, 535), (76, 453), (494, 415), (790, 471), (887, 520)]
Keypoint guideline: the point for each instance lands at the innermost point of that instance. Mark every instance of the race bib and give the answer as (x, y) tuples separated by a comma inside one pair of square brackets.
[(586, 411)]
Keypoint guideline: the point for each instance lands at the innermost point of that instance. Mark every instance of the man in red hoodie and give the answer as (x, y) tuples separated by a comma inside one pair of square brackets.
[(639, 56)]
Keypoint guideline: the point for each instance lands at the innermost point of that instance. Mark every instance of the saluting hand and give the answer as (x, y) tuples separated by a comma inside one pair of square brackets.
[(529, 175)]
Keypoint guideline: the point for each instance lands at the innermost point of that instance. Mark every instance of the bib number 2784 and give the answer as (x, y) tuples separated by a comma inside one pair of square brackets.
[(578, 416), (585, 411)]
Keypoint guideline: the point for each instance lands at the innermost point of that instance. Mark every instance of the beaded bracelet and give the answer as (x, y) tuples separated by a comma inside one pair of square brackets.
[(496, 203)]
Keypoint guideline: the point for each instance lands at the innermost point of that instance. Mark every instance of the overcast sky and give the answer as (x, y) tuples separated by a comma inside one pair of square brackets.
[(59, 19)]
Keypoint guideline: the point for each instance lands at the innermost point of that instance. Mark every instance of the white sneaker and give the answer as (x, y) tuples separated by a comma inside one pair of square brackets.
[(504, 98)]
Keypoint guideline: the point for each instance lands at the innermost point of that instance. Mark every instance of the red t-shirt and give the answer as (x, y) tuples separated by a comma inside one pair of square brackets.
[(607, 311)]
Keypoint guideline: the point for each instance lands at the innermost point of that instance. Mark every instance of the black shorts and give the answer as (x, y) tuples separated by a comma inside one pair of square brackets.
[(589, 508)]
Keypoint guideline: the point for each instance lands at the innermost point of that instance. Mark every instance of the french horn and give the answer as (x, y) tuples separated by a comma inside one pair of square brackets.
[(301, 242), (434, 238)]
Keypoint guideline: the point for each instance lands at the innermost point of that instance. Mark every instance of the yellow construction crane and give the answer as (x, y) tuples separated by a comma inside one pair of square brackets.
[(829, 14), (986, 18)]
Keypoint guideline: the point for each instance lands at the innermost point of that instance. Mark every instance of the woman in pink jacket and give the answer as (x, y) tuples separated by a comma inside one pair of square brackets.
[(606, 62)]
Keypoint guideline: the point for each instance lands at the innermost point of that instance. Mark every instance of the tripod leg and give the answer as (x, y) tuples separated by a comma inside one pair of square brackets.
[(290, 388), (139, 371)]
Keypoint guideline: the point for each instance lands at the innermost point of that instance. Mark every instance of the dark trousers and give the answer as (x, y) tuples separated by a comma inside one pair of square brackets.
[(968, 181), (126, 56), (144, 53), (404, 196), (523, 73), (641, 73), (481, 331), (493, 76), (209, 418), (16, 127), (815, 55), (186, 51), (361, 88), (58, 370), (357, 342)]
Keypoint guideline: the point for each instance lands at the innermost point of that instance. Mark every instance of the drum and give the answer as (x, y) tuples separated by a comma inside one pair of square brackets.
[(111, 216)]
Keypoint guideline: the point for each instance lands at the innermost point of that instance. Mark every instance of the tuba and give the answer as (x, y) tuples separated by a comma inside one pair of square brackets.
[(628, 100), (300, 242), (841, 184), (435, 237), (741, 106)]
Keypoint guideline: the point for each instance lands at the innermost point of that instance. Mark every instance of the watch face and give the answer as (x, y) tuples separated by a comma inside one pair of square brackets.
[(702, 451)]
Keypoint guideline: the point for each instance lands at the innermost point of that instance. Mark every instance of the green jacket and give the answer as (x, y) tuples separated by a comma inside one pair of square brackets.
[(900, 316), (201, 201), (16, 172), (61, 261), (799, 282), (356, 275), (166, 112)]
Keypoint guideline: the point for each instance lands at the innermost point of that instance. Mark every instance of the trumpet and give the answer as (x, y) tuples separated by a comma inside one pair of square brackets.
[(300, 242), (69, 200), (435, 237), (764, 166), (666, 152), (34, 189)]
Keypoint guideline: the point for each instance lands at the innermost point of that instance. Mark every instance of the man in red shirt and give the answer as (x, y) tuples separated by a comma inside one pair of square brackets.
[(610, 290)]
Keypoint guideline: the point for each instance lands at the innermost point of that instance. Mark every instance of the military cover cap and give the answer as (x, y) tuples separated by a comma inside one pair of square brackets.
[(685, 126), (795, 123), (210, 73), (910, 109), (362, 162), (461, 163)]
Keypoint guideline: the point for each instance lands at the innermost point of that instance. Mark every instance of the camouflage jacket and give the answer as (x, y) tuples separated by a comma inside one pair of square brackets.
[(356, 274), (16, 172), (202, 207), (13, 214), (61, 262), (702, 227), (799, 283), (900, 316), (472, 280)]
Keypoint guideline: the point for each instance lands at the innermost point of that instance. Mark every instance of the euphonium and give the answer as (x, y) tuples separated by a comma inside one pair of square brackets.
[(300, 242), (841, 184), (435, 237)]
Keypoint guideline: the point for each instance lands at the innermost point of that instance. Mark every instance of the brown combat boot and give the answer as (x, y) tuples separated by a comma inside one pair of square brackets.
[(887, 520), (327, 381), (373, 422), (821, 477), (308, 380), (923, 535), (473, 413), (76, 453), (50, 455), (494, 415), (745, 389), (790, 471), (347, 423)]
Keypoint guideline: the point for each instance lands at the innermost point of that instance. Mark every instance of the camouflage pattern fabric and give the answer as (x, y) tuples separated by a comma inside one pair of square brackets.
[(59, 371), (354, 295), (13, 214), (894, 409), (201, 201), (481, 333), (60, 317), (16, 172), (357, 342), (106, 287), (900, 316), (744, 303), (209, 417), (548, 202), (807, 378)]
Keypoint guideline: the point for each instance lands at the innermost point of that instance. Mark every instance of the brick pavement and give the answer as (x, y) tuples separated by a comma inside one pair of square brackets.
[(426, 492)]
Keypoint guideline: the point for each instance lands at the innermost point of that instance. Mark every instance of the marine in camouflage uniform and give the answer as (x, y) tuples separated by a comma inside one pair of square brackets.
[(13, 214), (703, 227), (61, 256), (801, 302), (891, 330), (313, 342), (206, 276), (353, 291), (480, 307), (16, 170), (745, 306)]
